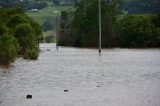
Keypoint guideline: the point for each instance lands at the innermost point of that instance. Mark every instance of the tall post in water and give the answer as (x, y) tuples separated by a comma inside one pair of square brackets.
[(57, 32), (100, 26)]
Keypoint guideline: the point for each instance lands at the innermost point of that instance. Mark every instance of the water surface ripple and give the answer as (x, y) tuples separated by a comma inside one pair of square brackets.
[(119, 77)]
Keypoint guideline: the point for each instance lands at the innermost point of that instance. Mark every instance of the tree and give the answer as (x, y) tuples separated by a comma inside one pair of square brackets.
[(47, 25), (84, 25), (31, 54), (37, 31), (79, 27), (138, 31), (17, 19), (49, 39), (64, 30), (56, 2), (18, 33), (142, 6), (111, 10), (25, 37), (8, 46)]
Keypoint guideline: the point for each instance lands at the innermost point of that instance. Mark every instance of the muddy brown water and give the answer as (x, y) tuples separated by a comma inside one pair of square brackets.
[(81, 77)]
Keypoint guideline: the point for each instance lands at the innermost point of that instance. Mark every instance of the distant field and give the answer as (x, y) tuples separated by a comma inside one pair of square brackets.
[(50, 13), (48, 33)]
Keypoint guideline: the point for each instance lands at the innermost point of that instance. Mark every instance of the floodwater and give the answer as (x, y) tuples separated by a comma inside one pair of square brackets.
[(119, 77)]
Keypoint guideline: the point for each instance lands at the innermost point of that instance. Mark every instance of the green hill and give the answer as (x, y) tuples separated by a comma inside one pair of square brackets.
[(48, 15)]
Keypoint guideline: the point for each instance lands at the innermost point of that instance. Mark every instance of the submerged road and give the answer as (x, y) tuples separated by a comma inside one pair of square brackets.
[(80, 77)]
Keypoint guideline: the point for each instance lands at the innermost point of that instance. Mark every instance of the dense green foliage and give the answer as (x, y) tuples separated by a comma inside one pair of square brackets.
[(18, 34), (49, 39), (56, 2), (48, 25), (8, 46), (139, 31), (64, 2), (82, 30), (31, 54), (142, 6), (26, 39), (64, 31), (80, 27)]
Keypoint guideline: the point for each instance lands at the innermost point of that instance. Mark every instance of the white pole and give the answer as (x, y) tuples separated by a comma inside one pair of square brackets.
[(100, 26)]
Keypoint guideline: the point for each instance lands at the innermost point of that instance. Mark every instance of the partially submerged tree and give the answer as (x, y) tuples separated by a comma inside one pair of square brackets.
[(16, 28), (26, 39), (8, 46), (138, 31), (118, 29), (65, 28), (84, 26)]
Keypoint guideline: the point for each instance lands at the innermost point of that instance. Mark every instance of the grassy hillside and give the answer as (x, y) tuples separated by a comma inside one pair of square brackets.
[(49, 13)]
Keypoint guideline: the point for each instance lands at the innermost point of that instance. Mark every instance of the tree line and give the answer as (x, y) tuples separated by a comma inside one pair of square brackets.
[(19, 36), (141, 6), (79, 27), (25, 4), (67, 2)]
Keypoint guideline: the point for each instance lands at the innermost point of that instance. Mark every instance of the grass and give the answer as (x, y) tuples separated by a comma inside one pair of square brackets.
[(49, 12), (50, 32)]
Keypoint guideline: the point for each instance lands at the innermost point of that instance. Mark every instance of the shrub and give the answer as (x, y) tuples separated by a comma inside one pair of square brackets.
[(18, 34), (7, 41), (26, 39), (49, 39), (48, 25), (31, 54), (138, 31), (56, 2), (17, 19)]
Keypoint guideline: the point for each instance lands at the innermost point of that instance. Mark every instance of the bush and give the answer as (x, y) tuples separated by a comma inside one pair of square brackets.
[(138, 31), (56, 2), (18, 33), (49, 39), (26, 39), (31, 54), (37, 31), (17, 19), (7, 41), (48, 25)]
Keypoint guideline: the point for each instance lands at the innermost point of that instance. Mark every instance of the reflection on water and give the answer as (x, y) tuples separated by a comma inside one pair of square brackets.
[(119, 77)]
